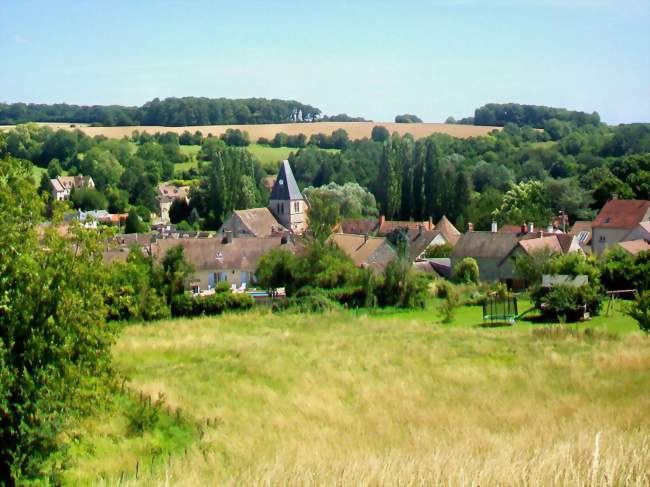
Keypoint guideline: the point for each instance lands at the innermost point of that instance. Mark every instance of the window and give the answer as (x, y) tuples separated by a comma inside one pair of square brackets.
[(602, 238), (296, 206)]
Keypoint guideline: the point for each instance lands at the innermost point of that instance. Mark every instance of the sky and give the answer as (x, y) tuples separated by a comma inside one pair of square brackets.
[(374, 59)]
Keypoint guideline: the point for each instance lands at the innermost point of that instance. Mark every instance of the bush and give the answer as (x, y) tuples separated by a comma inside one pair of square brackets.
[(402, 286), (449, 305), (307, 300), (640, 310), (349, 296), (466, 271), (143, 416), (438, 251), (217, 303), (567, 302)]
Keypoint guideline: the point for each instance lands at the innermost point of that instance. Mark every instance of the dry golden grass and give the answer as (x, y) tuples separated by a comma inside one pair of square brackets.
[(345, 400), (356, 130)]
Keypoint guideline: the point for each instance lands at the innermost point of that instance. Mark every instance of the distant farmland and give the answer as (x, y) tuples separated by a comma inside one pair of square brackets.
[(356, 130)]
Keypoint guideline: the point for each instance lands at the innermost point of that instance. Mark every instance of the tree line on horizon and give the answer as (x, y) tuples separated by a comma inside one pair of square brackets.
[(172, 112), (192, 111)]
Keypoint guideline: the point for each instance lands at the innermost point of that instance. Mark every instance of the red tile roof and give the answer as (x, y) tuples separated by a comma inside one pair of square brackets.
[(622, 214), (635, 246)]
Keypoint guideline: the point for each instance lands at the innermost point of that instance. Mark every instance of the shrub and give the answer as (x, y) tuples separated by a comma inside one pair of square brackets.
[(567, 302), (449, 305), (640, 310), (188, 305), (350, 296), (437, 251), (466, 271), (143, 415), (307, 300), (402, 286)]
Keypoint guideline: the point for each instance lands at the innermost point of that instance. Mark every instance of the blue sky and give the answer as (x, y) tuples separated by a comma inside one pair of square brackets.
[(367, 58)]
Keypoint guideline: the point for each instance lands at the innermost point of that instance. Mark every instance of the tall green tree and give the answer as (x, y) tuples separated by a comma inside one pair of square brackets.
[(54, 342)]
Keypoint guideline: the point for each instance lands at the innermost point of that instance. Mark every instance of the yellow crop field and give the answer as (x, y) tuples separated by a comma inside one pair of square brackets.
[(356, 130)]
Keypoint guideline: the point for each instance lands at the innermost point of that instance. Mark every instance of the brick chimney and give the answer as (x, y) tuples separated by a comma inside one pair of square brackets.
[(382, 219), (430, 224)]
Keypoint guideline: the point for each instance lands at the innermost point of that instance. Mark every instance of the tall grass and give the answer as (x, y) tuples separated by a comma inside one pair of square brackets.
[(339, 399)]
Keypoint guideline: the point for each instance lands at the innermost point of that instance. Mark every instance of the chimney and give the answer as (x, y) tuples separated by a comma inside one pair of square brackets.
[(549, 228), (524, 228), (614, 196), (494, 227), (420, 230), (531, 227), (365, 238), (430, 224), (227, 236), (470, 227), (540, 234), (382, 219)]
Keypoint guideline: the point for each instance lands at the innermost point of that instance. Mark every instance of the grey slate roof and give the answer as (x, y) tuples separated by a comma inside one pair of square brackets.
[(286, 187), (486, 245)]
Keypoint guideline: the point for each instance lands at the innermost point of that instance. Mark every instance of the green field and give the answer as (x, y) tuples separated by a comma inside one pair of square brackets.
[(270, 157), (388, 398)]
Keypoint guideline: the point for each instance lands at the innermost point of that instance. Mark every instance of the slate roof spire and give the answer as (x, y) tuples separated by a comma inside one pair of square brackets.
[(286, 187)]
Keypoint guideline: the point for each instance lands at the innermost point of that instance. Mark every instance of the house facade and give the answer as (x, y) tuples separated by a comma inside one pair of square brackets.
[(365, 251), (495, 253), (167, 193), (62, 186), (218, 260), (616, 221)]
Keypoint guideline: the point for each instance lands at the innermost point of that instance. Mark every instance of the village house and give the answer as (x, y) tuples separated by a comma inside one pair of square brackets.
[(256, 222), (231, 260), (495, 252), (365, 251), (418, 241), (287, 211), (633, 247), (582, 230), (446, 232), (616, 221), (385, 227), (62, 186), (167, 193)]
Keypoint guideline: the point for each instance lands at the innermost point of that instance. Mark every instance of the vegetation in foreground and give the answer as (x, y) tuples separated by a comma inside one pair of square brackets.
[(352, 398)]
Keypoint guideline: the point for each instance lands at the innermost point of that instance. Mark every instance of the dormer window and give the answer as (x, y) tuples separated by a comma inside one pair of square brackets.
[(281, 182)]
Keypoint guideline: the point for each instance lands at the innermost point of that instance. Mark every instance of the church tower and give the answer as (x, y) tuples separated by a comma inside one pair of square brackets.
[(286, 202)]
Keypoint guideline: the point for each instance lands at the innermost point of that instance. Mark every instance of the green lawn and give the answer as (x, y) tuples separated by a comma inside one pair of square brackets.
[(380, 398), (472, 316)]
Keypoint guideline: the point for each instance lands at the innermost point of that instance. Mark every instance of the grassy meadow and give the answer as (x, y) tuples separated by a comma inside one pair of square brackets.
[(267, 155), (392, 398)]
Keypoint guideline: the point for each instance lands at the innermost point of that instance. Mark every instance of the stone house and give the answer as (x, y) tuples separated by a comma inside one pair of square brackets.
[(365, 251), (167, 193), (616, 221), (62, 186), (232, 260)]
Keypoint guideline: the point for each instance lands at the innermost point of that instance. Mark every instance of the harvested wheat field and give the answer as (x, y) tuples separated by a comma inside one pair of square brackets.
[(356, 130), (346, 399)]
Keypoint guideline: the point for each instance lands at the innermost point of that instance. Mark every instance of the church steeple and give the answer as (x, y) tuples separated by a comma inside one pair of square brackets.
[(286, 201)]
